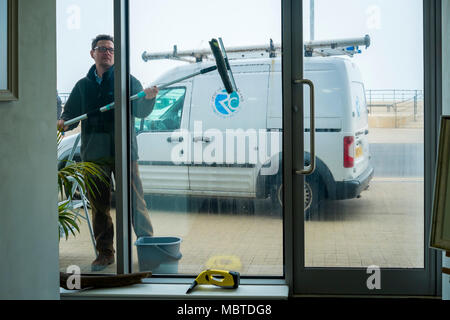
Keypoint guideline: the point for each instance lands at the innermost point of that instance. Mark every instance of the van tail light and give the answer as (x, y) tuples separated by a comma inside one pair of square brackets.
[(349, 152)]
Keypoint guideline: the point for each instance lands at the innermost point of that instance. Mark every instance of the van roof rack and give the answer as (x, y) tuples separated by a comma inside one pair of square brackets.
[(336, 47), (198, 55), (322, 48)]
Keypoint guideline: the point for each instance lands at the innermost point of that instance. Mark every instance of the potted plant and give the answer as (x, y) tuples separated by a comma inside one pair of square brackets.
[(83, 174)]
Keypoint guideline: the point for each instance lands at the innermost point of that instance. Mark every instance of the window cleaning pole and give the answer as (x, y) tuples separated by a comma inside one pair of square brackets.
[(220, 67), (139, 95)]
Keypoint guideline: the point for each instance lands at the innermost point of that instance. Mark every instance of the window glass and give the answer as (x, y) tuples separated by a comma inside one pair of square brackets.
[(167, 112), (3, 44), (206, 181), (366, 197), (86, 204)]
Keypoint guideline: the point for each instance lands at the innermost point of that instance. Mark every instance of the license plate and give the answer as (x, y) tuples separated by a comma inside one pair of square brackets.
[(359, 151)]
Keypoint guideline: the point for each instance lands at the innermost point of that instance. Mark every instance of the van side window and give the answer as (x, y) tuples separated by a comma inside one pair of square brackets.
[(167, 112)]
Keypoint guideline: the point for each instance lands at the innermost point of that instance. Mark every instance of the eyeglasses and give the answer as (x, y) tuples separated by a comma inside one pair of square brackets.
[(104, 49)]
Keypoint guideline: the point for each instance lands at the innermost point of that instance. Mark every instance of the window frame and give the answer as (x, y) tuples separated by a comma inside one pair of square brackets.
[(11, 92)]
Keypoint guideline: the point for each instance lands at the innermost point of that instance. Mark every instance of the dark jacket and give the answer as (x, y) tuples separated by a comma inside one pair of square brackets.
[(97, 132), (58, 106)]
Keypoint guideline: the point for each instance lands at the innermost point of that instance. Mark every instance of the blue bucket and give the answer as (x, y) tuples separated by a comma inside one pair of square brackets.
[(160, 255)]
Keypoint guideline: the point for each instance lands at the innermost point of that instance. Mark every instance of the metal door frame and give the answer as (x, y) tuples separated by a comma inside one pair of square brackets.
[(301, 281)]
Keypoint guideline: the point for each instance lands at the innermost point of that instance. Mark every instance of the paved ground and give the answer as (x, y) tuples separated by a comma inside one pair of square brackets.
[(390, 135), (249, 243), (384, 227), (397, 159)]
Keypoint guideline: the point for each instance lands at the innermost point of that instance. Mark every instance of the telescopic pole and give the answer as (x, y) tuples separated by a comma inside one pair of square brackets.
[(220, 67)]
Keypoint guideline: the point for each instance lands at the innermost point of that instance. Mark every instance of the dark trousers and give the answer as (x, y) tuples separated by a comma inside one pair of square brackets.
[(101, 203)]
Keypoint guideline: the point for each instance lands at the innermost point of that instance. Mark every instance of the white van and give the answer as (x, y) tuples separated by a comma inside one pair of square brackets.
[(201, 141)]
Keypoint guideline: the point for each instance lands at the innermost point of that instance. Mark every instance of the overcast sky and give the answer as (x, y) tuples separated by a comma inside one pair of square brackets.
[(393, 61)]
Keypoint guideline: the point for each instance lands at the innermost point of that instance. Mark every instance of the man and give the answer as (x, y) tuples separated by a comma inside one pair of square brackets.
[(97, 144)]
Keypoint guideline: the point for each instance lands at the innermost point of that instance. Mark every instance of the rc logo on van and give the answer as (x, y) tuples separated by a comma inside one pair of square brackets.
[(225, 104), (358, 107)]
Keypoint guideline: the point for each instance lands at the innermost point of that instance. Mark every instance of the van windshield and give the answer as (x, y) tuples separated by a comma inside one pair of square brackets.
[(167, 112)]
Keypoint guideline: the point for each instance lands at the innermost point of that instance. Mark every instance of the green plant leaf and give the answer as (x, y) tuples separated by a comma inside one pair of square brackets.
[(87, 175)]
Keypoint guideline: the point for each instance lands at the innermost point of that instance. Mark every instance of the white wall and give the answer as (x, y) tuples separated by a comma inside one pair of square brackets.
[(28, 197), (445, 110)]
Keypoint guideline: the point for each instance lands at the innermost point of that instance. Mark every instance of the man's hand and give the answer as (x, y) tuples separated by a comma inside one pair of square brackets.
[(151, 92), (61, 127)]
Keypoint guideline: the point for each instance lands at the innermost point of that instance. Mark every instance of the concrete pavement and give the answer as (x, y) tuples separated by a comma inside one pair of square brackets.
[(384, 227)]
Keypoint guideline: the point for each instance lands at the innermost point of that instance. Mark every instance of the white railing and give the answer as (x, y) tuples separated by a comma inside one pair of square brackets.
[(393, 100)]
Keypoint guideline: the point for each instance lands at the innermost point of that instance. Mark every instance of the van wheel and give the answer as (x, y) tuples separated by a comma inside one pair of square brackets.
[(276, 197), (311, 196), (311, 193)]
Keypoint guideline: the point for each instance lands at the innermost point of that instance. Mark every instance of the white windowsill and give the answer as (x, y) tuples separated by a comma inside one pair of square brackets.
[(178, 291)]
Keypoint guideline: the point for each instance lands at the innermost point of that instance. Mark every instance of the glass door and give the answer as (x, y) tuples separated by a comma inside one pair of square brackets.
[(362, 226)]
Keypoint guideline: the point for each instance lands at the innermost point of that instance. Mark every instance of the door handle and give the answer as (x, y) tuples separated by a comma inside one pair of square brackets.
[(312, 132), (179, 139), (202, 139)]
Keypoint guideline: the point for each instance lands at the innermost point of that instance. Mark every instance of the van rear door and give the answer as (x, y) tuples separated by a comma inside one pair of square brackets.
[(359, 106)]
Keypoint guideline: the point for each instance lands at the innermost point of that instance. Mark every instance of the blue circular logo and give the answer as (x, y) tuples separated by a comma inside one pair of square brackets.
[(358, 107), (226, 104)]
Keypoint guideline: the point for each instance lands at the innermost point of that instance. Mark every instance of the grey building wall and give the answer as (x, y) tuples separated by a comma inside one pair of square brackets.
[(28, 197)]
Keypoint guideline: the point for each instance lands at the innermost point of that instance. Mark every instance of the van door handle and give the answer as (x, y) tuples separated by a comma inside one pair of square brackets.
[(312, 132), (202, 139), (179, 139)]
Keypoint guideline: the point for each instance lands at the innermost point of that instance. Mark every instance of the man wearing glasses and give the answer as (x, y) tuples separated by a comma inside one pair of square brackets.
[(97, 144)]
